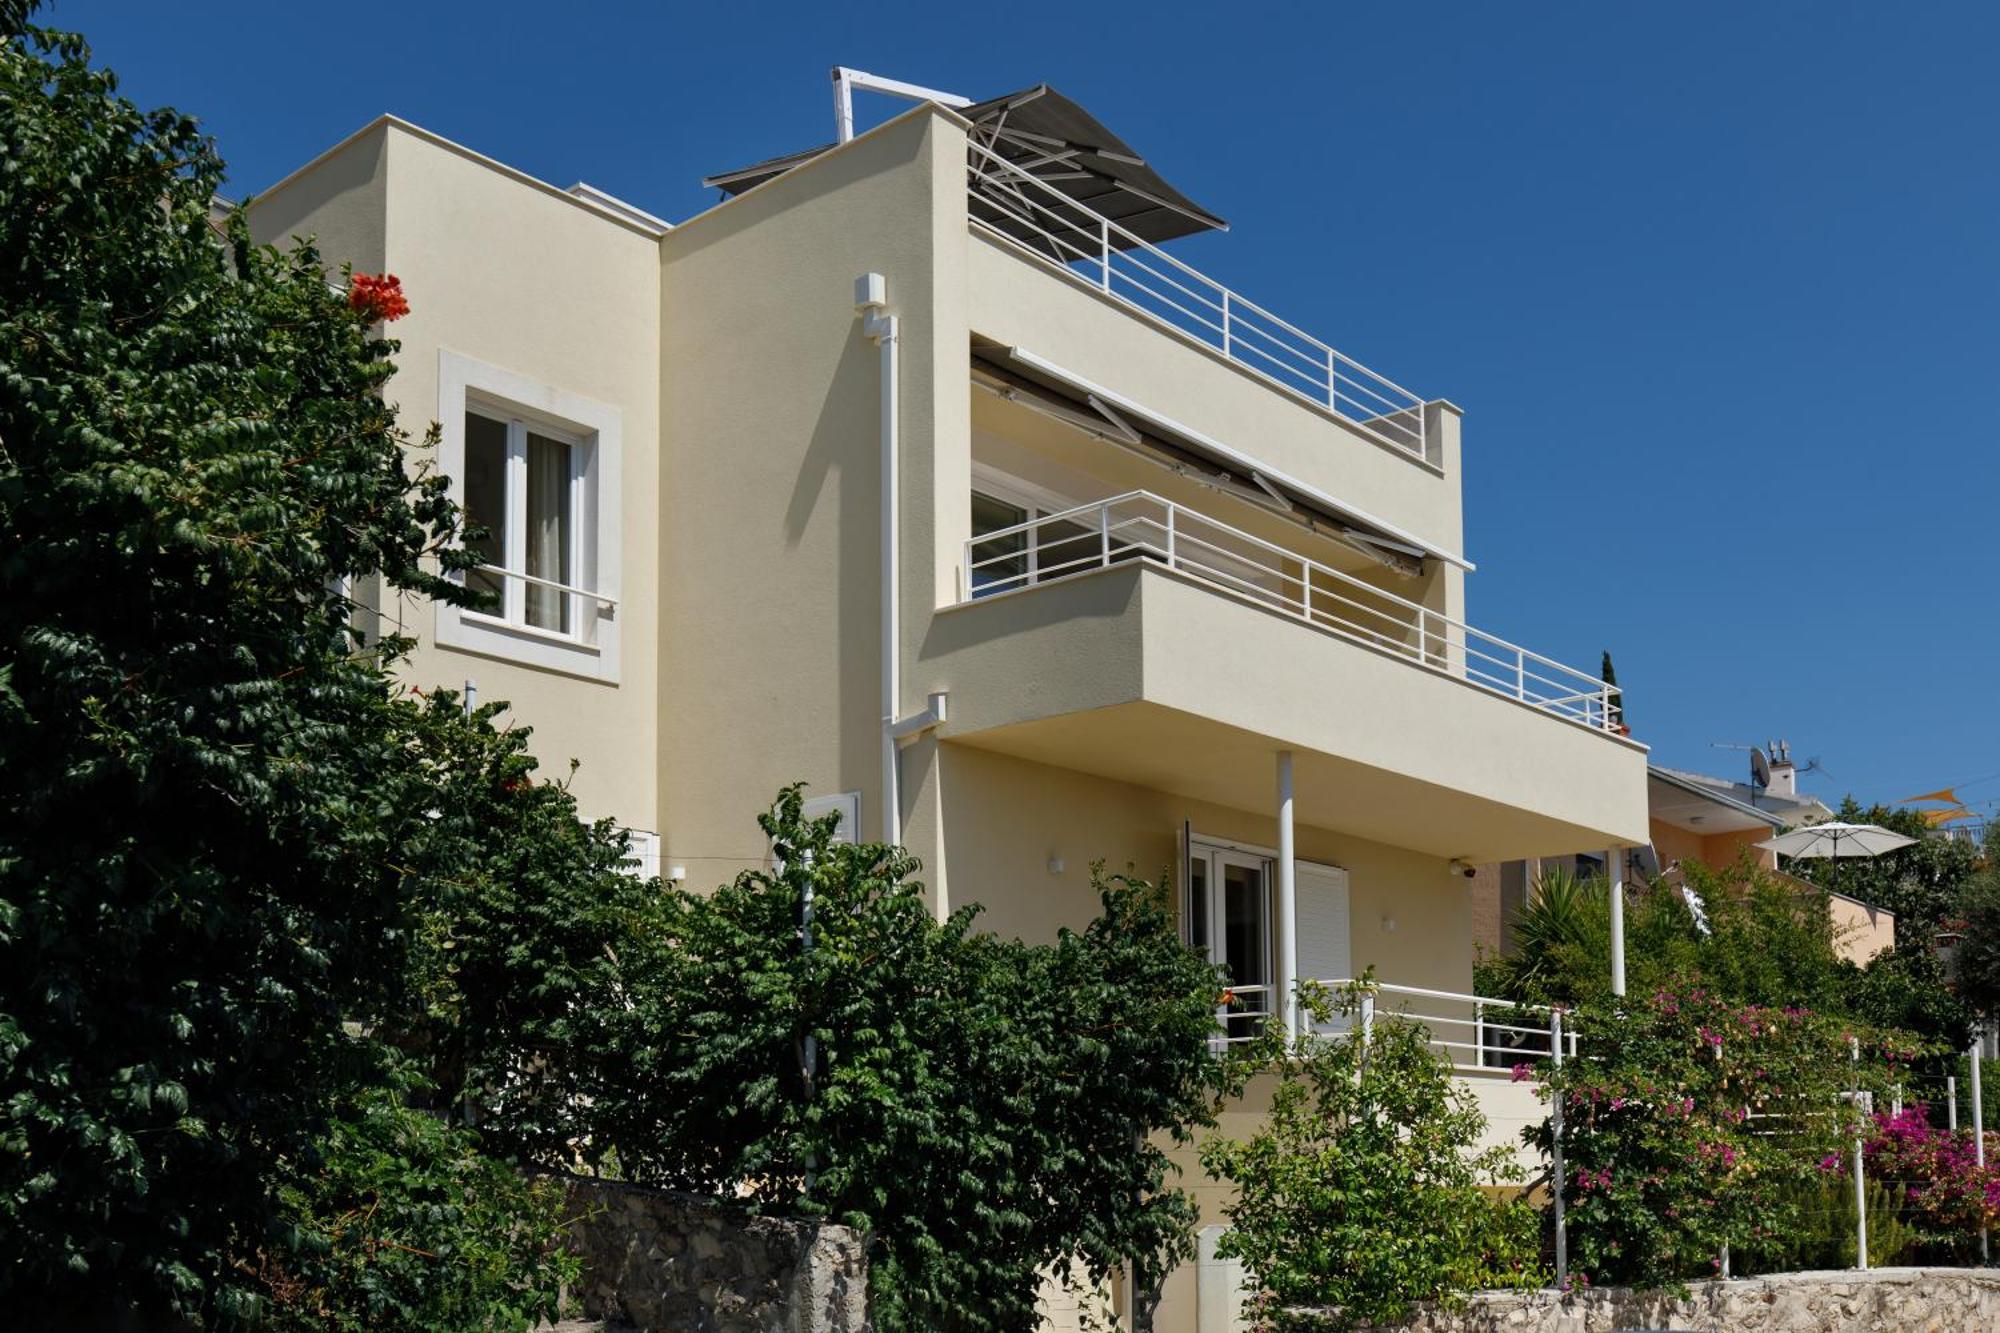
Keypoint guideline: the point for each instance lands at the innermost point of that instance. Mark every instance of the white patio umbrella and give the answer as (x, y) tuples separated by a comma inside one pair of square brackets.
[(1836, 840)]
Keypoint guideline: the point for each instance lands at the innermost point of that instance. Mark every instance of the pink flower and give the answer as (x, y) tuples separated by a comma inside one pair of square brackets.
[(1522, 1073)]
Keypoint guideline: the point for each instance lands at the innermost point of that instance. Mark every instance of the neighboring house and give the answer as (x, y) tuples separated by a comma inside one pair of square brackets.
[(915, 471), (1695, 818)]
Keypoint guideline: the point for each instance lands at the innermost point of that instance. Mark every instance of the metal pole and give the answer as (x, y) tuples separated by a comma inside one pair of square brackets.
[(1860, 1199), (1614, 871), (1951, 1102), (1858, 1100), (1556, 1156), (1979, 1126), (1288, 904), (809, 1058)]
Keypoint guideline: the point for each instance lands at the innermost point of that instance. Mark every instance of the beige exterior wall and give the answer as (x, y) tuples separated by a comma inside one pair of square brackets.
[(516, 274), (1859, 930), (771, 533), (1715, 850)]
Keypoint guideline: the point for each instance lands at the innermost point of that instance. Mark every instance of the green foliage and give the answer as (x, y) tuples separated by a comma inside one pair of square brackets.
[(986, 1108), (1920, 883), (1691, 1124), (221, 838), (405, 1223), (192, 854), (1362, 1191), (1824, 1233), (1979, 912), (520, 913), (1765, 942)]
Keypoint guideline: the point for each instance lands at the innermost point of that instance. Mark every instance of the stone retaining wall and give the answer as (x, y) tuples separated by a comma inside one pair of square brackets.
[(655, 1260), (1888, 1300)]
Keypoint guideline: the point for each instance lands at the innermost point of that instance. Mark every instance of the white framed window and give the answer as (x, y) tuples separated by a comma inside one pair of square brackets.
[(1019, 559), (1229, 912), (538, 468), (642, 859), (846, 804)]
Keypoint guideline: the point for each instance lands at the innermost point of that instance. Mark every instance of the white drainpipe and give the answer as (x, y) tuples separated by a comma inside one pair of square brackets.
[(871, 298)]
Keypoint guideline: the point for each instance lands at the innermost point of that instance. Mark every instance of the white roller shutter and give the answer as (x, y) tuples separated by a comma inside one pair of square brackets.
[(1325, 952)]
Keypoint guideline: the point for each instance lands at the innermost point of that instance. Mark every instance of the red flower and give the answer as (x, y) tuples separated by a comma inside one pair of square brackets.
[(1227, 997), (377, 298)]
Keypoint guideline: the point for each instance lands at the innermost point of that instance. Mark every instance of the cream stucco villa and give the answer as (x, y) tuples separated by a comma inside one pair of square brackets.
[(918, 470)]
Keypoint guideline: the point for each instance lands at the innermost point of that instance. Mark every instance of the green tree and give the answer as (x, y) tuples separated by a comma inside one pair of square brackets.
[(985, 1108), (219, 827), (1363, 1191), (1921, 883)]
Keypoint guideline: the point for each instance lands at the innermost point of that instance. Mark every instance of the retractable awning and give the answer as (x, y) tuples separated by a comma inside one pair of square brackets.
[(1041, 133), (1094, 407)]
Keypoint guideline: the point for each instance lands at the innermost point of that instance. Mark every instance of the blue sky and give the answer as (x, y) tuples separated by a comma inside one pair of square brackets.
[(1715, 283)]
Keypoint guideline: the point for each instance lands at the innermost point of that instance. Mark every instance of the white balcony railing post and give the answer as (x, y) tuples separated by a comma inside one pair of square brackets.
[(1104, 532), (1173, 561), (1104, 253), (1556, 1178)]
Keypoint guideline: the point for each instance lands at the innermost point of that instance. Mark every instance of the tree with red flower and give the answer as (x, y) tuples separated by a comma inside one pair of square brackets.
[(377, 297)]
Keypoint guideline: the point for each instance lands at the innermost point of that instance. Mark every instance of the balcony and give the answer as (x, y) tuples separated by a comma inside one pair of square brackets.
[(1136, 639), (1141, 526), (1040, 220)]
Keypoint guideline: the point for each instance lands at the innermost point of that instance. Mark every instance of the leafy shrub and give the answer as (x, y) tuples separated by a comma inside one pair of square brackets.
[(1947, 1196), (1362, 1191), (402, 1222), (1688, 1125), (1825, 1234), (987, 1109)]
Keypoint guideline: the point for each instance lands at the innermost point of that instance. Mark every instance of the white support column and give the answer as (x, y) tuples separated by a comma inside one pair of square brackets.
[(1614, 872), (1288, 901)]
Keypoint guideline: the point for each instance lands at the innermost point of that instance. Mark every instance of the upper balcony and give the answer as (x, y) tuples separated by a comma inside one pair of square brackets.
[(1007, 201)]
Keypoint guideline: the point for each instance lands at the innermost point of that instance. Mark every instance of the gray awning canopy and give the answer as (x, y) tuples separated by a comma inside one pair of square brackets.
[(1046, 135), (1021, 376)]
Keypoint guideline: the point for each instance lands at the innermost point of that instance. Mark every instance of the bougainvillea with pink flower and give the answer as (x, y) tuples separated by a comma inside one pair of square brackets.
[(1686, 1122), (1946, 1194)]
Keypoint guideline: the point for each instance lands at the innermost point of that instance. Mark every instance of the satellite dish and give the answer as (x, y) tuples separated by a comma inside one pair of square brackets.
[(1760, 768)]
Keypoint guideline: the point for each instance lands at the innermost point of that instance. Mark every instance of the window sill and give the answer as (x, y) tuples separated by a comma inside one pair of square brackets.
[(524, 645)]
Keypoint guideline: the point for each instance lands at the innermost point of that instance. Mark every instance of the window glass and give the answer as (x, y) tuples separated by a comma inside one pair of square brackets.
[(1246, 941), (1197, 921), (486, 499), (1001, 562), (548, 532)]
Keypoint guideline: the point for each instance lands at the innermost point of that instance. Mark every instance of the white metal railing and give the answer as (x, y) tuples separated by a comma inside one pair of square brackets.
[(579, 606), (1139, 525), (1475, 1033), (1043, 220)]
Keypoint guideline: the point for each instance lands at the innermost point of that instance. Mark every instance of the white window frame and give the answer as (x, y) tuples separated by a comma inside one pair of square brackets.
[(846, 804), (592, 430), (1037, 502)]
